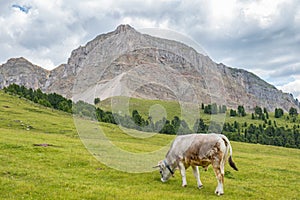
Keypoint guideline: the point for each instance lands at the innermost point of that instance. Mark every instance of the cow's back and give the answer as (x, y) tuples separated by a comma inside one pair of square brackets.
[(195, 148)]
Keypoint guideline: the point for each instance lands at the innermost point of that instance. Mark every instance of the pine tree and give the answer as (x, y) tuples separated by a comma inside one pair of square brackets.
[(96, 101)]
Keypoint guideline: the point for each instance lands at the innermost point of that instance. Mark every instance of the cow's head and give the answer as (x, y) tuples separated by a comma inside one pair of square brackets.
[(165, 171)]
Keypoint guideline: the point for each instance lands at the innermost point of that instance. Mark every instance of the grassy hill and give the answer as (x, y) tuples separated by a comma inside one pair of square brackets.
[(255, 127), (173, 108), (66, 170)]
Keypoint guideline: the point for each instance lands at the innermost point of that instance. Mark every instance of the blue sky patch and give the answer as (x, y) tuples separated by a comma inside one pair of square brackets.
[(24, 9)]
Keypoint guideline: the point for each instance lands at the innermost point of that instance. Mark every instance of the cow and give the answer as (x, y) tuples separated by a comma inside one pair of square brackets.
[(198, 150)]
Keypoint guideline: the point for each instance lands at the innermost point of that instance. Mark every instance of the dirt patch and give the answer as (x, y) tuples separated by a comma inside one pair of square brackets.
[(43, 145)]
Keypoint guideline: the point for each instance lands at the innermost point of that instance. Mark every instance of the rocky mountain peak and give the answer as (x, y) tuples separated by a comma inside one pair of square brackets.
[(21, 60), (22, 72), (125, 62), (123, 28)]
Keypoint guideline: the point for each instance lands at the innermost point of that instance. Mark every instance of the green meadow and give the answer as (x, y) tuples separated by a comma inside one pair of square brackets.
[(43, 157), (173, 108)]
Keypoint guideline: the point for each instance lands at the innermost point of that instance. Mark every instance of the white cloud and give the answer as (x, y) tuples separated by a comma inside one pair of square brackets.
[(264, 12), (292, 87)]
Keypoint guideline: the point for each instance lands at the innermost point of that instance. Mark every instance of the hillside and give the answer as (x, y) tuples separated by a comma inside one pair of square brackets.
[(251, 127), (126, 62), (66, 170), (172, 108), (172, 117)]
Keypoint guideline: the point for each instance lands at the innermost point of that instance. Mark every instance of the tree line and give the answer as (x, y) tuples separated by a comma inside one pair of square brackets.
[(51, 100), (266, 133)]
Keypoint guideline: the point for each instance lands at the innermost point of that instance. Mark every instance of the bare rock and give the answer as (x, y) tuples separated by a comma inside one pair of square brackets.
[(125, 62)]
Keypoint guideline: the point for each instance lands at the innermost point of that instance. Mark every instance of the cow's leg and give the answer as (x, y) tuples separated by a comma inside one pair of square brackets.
[(182, 172), (219, 172), (197, 176)]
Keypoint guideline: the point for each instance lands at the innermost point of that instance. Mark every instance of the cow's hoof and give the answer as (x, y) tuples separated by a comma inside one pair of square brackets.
[(219, 193), (200, 187), (184, 185)]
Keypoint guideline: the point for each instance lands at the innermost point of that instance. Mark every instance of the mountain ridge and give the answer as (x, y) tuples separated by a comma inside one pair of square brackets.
[(125, 62)]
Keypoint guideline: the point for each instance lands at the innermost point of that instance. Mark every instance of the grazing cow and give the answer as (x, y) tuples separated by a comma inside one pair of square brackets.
[(198, 150)]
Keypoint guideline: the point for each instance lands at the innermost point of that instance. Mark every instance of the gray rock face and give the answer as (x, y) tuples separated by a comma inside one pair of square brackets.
[(127, 63), (22, 72)]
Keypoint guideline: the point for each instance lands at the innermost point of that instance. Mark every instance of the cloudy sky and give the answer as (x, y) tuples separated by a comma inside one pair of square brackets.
[(260, 36)]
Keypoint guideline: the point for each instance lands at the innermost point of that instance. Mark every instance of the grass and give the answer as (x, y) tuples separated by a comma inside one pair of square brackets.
[(21, 114), (67, 170), (156, 108)]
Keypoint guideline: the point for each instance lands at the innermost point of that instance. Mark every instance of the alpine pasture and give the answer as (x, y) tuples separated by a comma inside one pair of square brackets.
[(42, 157)]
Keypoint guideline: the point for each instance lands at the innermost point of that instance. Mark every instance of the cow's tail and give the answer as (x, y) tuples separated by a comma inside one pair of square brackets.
[(231, 163)]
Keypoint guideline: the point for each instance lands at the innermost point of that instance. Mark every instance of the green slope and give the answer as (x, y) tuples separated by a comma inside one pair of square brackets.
[(67, 170), (173, 108), (284, 131)]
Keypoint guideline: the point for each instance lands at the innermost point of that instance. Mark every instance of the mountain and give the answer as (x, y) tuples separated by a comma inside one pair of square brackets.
[(22, 72), (125, 62)]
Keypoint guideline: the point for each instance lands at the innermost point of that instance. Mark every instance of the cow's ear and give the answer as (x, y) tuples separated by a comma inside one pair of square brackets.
[(158, 164)]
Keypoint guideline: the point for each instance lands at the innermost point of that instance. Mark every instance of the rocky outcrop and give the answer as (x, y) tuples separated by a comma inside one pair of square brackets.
[(127, 63), (22, 72), (245, 88)]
